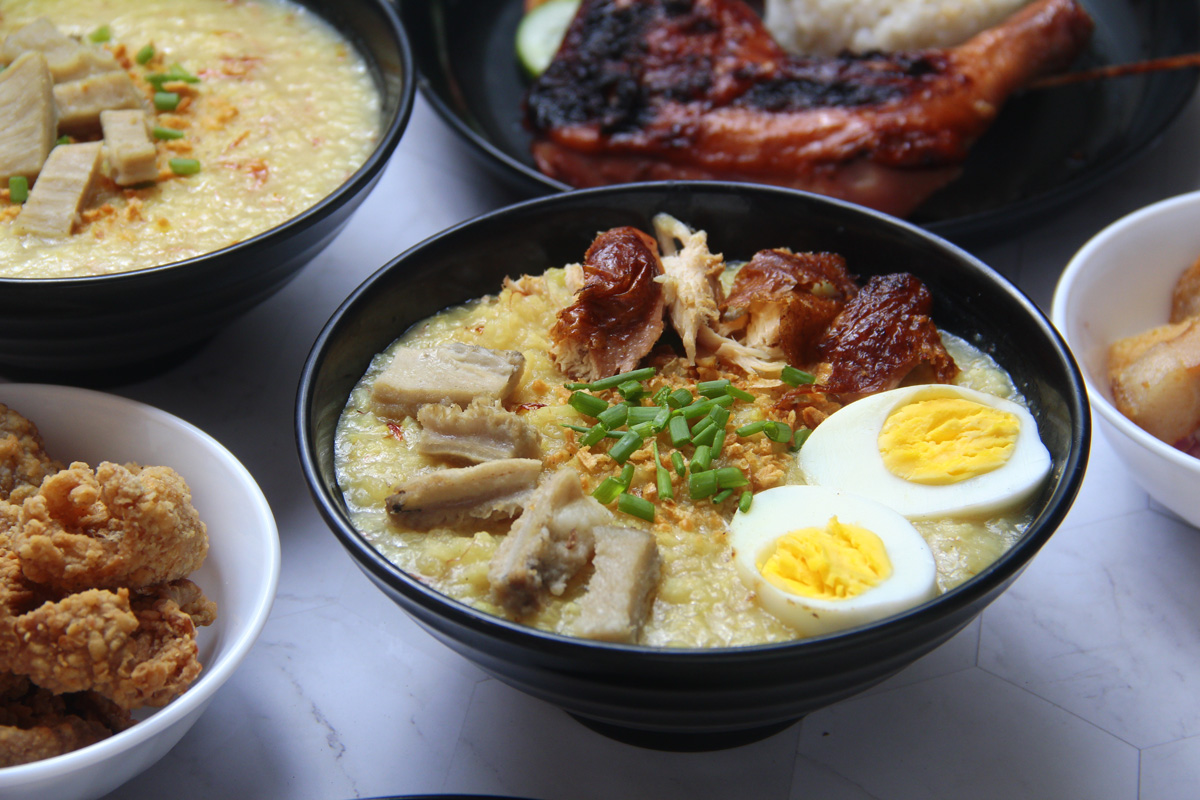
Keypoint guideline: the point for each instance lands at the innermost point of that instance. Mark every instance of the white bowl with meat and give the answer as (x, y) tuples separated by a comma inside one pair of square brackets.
[(1126, 304)]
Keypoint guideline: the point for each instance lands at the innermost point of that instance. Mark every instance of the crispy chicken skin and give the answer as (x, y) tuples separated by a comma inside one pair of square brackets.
[(119, 526), (687, 89), (23, 459)]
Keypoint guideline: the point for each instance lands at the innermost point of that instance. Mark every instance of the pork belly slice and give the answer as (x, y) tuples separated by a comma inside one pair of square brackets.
[(65, 181), (492, 490), (29, 117), (482, 432), (550, 542), (619, 595), (131, 154), (1155, 380), (455, 373), (67, 58), (80, 102), (617, 316)]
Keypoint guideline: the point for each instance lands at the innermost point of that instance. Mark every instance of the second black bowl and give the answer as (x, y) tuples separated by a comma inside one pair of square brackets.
[(681, 698)]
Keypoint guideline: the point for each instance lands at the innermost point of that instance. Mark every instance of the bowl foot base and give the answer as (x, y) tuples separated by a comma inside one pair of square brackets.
[(682, 742)]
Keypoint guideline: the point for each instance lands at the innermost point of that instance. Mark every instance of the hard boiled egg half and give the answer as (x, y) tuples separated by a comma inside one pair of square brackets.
[(930, 451), (822, 560)]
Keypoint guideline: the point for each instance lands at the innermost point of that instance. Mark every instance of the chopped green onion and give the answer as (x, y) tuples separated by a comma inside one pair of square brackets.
[(702, 484), (636, 506), (724, 401), (64, 139), (626, 477), (171, 133), (740, 394), (587, 404), (696, 409), (703, 425), (101, 34), (145, 54), (719, 415), (662, 418), (644, 429), (614, 416), (678, 430), (800, 438), (577, 428), (744, 502), (18, 188), (677, 463), (184, 166), (701, 459), (661, 477), (714, 388), (722, 496), (174, 73), (626, 446), (608, 490), (679, 398), (632, 390), (660, 397), (639, 414), (718, 442), (751, 428), (778, 431), (593, 436), (613, 381), (166, 101), (707, 436), (794, 377), (731, 478)]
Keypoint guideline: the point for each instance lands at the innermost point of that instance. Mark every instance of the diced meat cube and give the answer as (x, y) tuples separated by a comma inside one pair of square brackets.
[(456, 373), (618, 598), (482, 432), (81, 101), (550, 542), (131, 154), (1155, 380), (53, 206), (67, 58), (492, 490), (28, 117)]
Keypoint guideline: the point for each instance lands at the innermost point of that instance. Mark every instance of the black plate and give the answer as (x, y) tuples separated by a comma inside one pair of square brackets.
[(1046, 148)]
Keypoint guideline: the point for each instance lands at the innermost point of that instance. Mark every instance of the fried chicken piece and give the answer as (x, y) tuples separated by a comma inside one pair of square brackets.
[(23, 459), (189, 597), (118, 527), (138, 651), (36, 723)]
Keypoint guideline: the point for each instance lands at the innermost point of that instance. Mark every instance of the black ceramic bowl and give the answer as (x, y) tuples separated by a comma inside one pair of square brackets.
[(676, 698), (114, 321)]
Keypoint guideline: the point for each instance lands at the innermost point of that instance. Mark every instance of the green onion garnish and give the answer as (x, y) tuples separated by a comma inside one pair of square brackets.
[(614, 416), (64, 139), (714, 388), (722, 496), (701, 459), (639, 414), (587, 404), (174, 73), (145, 54), (661, 477), (184, 166), (577, 428), (708, 436), (613, 381), (632, 390), (800, 438), (101, 34), (660, 397), (731, 478), (626, 477), (18, 188), (703, 425), (778, 431), (662, 418), (751, 428), (626, 446), (744, 502), (679, 398), (608, 490), (719, 415), (171, 133), (702, 484), (696, 409), (677, 429), (718, 441), (740, 394), (166, 101), (644, 429), (593, 436), (794, 377), (677, 463), (636, 506)]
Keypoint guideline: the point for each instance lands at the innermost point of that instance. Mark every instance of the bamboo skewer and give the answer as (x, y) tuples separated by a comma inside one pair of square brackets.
[(1119, 70)]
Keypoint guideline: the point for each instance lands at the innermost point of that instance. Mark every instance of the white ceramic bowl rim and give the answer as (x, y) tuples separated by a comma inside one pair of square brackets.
[(213, 675), (1075, 270)]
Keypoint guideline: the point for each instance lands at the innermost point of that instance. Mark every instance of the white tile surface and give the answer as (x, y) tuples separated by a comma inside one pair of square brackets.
[(1082, 681)]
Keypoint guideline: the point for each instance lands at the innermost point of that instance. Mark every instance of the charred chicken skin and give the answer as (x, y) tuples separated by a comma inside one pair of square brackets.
[(698, 89)]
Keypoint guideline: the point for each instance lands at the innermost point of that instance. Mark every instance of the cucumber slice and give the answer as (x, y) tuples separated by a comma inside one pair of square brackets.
[(540, 33)]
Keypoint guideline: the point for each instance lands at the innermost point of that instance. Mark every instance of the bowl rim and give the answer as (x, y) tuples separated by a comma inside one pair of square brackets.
[(383, 572), (360, 180), (200, 693), (1064, 295)]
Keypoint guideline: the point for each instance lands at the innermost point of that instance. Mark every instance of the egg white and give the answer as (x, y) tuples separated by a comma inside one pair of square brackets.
[(843, 453), (783, 509)]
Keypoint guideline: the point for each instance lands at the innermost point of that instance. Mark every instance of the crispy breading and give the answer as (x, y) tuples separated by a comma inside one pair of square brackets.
[(23, 458), (121, 526), (36, 723)]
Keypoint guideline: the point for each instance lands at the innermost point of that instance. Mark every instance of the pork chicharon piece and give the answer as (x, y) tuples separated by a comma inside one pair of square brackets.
[(481, 432), (617, 315), (491, 490), (131, 154), (547, 544), (627, 568), (66, 179), (30, 117), (882, 335), (685, 89), (455, 373), (786, 300)]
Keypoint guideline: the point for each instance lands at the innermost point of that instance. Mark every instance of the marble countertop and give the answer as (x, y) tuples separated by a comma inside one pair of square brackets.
[(1082, 681)]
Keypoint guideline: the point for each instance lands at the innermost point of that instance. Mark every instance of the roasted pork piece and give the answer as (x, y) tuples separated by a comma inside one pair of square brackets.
[(491, 490), (693, 89), (483, 431), (454, 373), (621, 591)]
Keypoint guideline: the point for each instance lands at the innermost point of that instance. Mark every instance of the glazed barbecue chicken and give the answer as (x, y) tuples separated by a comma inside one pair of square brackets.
[(698, 89)]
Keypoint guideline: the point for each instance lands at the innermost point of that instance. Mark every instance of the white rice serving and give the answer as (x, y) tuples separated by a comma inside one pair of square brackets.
[(828, 27)]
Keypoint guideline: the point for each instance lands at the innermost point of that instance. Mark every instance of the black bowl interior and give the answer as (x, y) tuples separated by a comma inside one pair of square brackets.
[(72, 324), (692, 693), (1046, 148)]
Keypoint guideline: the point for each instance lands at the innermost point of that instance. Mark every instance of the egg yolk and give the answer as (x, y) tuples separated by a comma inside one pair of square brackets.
[(945, 440), (830, 563)]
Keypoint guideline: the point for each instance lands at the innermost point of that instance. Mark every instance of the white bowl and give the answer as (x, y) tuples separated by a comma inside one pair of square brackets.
[(1117, 285), (240, 573)]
